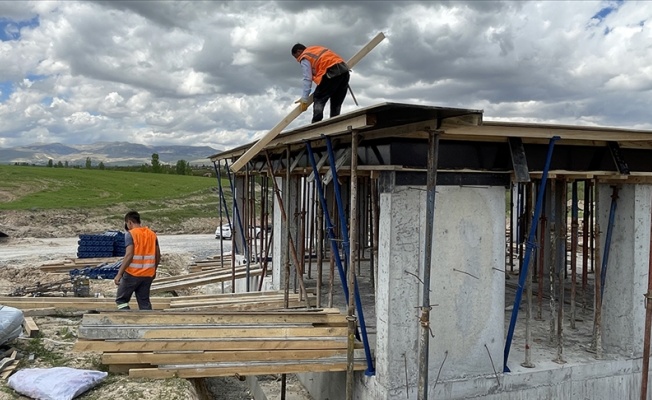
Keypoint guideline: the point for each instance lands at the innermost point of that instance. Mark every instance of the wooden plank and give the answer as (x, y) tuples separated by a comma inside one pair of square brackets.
[(201, 274), (39, 312), (235, 344), (31, 329), (542, 131), (262, 142), (217, 356), (197, 332), (80, 303), (122, 369), (204, 280), (163, 318), (268, 305), (9, 369), (245, 369)]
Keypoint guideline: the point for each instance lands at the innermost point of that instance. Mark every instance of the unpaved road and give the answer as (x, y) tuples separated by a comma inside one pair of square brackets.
[(16, 252)]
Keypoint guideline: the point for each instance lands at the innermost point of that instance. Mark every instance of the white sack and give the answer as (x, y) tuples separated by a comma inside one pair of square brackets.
[(59, 383)]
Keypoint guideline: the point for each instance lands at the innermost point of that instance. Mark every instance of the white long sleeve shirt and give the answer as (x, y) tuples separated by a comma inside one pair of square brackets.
[(307, 79)]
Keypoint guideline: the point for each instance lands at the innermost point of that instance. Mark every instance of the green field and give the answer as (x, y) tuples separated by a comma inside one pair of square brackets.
[(174, 197)]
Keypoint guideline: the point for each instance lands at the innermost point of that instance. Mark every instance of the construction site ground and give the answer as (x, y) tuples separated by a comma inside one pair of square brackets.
[(20, 259)]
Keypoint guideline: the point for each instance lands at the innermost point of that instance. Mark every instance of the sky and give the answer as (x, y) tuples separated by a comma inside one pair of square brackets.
[(220, 73)]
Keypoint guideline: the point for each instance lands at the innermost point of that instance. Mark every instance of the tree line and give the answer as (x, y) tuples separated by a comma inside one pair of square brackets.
[(182, 167)]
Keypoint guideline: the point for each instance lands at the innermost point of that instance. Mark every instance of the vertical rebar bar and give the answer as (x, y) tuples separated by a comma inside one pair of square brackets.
[(431, 190), (353, 254), (372, 234), (511, 227), (320, 246), (542, 258), (574, 230), (561, 266), (553, 255), (597, 319), (585, 244), (527, 363)]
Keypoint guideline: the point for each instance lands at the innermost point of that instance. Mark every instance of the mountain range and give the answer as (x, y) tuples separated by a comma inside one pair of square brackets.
[(109, 153)]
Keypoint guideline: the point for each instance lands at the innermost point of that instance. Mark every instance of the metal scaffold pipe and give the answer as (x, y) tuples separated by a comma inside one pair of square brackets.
[(431, 189)]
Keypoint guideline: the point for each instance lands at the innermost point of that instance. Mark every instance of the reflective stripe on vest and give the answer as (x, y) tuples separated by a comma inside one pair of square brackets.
[(320, 59), (143, 263)]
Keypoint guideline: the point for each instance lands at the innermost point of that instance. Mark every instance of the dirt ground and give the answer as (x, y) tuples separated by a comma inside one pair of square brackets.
[(39, 237)]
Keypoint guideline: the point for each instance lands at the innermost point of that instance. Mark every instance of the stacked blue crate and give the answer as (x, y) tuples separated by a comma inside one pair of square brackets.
[(102, 271), (107, 244)]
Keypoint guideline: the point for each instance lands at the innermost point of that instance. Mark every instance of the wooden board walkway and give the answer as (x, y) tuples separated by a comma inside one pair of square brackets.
[(156, 344)]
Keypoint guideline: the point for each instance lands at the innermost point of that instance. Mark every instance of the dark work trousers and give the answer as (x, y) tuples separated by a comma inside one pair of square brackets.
[(330, 88), (130, 284)]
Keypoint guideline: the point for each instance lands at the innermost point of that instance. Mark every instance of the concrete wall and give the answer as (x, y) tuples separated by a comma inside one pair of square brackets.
[(467, 284), (623, 306)]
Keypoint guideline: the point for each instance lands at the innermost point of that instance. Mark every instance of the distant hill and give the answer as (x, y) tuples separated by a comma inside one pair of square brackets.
[(110, 153)]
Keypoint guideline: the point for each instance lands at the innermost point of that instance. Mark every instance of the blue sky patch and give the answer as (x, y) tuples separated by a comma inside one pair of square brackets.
[(605, 11), (6, 89), (36, 77), (10, 29)]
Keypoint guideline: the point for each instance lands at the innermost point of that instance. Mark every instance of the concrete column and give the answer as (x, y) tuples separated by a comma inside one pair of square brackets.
[(467, 282), (623, 306), (279, 241)]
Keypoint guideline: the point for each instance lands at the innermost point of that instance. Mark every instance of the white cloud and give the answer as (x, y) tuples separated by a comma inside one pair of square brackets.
[(221, 74)]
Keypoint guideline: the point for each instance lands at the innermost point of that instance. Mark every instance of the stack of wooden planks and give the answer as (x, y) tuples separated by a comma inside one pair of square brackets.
[(176, 282), (192, 345), (69, 264), (46, 305), (214, 262)]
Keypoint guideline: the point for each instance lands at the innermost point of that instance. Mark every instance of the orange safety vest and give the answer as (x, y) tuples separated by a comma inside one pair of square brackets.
[(144, 262), (320, 59)]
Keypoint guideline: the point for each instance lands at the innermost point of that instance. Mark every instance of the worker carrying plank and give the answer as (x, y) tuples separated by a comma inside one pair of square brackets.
[(329, 72)]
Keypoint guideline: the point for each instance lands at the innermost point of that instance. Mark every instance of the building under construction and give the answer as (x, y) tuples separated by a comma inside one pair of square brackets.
[(475, 259)]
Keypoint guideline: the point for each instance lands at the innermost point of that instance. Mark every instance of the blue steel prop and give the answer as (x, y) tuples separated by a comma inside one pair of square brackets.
[(237, 215), (607, 241), (218, 173), (529, 247), (331, 235)]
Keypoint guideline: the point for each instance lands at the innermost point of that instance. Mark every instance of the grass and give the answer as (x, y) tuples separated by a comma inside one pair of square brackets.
[(33, 188)]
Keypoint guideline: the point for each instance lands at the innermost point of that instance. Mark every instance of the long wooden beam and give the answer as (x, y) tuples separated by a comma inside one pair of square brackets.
[(217, 356), (244, 369), (129, 345), (203, 332), (167, 318), (262, 142)]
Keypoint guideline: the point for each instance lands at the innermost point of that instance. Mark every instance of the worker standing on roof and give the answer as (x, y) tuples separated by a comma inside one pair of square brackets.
[(329, 72), (138, 269)]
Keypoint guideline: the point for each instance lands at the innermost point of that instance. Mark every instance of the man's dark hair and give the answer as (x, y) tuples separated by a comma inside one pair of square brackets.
[(133, 216), (298, 48)]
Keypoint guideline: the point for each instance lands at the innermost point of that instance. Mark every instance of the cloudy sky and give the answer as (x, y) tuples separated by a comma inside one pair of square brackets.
[(220, 73)]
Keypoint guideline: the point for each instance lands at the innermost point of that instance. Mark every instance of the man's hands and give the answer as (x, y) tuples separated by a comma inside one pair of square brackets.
[(303, 103), (116, 280)]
